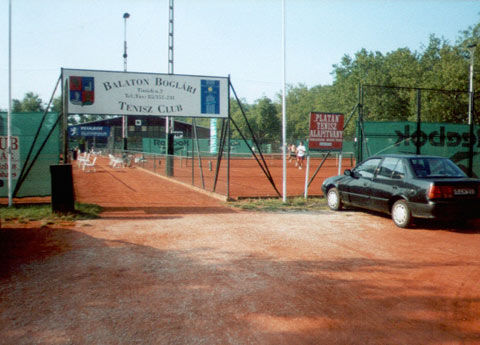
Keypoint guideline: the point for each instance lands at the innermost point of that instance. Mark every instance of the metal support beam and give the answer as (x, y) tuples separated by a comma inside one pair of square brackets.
[(360, 125), (470, 111), (419, 121)]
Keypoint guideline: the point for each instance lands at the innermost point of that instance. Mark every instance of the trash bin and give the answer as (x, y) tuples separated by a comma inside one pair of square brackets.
[(62, 188)]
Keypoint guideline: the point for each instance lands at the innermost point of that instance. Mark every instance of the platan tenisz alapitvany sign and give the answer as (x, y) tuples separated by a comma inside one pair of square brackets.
[(326, 131)]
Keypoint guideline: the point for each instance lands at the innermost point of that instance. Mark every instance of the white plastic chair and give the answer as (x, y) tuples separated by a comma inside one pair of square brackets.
[(116, 162), (82, 160), (90, 165)]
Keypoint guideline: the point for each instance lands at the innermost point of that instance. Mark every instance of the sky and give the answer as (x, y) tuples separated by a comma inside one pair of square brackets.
[(237, 38)]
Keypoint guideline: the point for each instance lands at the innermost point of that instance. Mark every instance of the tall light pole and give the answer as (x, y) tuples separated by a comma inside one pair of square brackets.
[(169, 121), (170, 36), (124, 118), (125, 17), (284, 106), (9, 115), (471, 48)]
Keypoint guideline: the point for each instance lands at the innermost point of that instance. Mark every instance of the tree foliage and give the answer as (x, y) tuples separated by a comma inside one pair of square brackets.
[(31, 102)]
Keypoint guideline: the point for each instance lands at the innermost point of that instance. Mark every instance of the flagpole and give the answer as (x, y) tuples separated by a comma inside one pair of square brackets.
[(284, 106), (9, 115)]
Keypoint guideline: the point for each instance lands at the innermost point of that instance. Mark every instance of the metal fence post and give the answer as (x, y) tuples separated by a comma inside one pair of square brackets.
[(306, 177)]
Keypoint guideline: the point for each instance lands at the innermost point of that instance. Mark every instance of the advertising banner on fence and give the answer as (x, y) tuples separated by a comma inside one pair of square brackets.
[(326, 131), (89, 131), (131, 93), (16, 169)]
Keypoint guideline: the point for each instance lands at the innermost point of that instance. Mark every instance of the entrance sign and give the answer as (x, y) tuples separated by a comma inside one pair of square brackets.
[(16, 166), (326, 131), (127, 93)]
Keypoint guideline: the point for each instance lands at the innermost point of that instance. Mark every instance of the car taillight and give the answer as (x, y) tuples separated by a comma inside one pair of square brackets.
[(440, 192)]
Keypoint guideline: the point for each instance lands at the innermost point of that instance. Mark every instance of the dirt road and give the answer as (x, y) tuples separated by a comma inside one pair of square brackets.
[(167, 271)]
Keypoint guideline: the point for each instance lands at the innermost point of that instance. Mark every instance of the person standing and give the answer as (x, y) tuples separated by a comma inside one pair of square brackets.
[(301, 150), (292, 149)]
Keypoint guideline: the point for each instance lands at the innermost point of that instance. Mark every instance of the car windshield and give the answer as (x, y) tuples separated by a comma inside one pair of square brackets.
[(435, 167)]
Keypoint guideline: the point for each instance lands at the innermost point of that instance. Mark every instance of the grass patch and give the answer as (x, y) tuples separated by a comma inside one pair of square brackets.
[(276, 204), (30, 213)]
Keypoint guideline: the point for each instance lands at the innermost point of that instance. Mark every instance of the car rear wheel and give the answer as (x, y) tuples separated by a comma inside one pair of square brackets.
[(401, 214), (333, 199)]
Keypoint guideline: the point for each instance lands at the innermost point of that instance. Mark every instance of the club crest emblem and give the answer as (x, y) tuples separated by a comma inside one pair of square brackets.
[(82, 90)]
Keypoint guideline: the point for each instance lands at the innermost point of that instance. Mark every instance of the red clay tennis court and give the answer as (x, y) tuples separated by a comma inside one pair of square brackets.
[(246, 178)]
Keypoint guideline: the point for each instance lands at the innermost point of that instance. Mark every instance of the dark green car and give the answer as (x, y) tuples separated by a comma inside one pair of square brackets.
[(407, 186)]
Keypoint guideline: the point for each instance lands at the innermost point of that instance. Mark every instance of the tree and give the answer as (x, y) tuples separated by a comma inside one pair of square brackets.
[(300, 102), (31, 103), (57, 105), (237, 117), (267, 121)]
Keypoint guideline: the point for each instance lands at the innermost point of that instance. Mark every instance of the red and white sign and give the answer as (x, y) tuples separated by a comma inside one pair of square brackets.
[(326, 131)]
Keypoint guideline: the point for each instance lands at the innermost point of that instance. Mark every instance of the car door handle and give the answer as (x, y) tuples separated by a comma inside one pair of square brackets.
[(395, 187)]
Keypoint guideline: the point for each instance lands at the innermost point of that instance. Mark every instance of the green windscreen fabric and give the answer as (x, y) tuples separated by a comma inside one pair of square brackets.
[(440, 139), (24, 129)]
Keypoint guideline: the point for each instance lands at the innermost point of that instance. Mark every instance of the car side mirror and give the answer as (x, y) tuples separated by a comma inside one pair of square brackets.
[(348, 172)]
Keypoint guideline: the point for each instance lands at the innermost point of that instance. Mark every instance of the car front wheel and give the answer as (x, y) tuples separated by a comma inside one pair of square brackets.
[(333, 199), (401, 214)]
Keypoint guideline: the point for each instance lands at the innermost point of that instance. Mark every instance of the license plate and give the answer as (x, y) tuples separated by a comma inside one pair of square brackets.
[(464, 191)]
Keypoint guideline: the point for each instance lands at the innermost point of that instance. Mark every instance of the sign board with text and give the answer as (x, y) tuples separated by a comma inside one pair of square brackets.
[(89, 131), (326, 131), (131, 93), (16, 166)]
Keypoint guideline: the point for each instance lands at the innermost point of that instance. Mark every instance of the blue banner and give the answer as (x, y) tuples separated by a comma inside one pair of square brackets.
[(210, 96), (88, 131)]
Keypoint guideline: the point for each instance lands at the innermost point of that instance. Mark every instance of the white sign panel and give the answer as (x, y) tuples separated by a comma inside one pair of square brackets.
[(127, 93), (16, 169)]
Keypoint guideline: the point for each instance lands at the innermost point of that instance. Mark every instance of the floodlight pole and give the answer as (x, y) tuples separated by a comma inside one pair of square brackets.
[(284, 107), (124, 118), (170, 53), (169, 122), (170, 37), (471, 47), (170, 48), (9, 115), (125, 17)]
